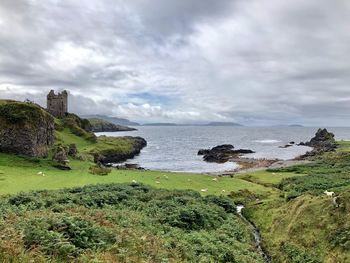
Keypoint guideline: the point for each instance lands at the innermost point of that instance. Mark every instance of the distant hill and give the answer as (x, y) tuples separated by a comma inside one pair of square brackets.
[(99, 125), (114, 120), (223, 124), (160, 124), (291, 125)]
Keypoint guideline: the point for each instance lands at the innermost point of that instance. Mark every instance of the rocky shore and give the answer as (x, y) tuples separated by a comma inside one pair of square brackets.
[(322, 142)]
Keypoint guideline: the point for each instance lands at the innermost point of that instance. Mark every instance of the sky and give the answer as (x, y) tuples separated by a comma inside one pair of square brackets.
[(256, 62)]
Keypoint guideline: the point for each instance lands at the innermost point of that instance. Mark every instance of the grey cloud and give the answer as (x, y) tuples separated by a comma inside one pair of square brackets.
[(255, 61)]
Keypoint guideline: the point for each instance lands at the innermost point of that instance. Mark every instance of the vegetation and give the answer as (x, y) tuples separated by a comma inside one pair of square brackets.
[(21, 112), (100, 125), (301, 223), (107, 222), (79, 127), (122, 223)]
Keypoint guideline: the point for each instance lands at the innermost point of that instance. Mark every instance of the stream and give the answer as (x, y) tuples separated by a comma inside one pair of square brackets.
[(256, 234)]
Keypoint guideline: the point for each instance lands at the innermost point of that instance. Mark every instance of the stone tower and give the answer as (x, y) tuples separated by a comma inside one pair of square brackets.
[(57, 105)]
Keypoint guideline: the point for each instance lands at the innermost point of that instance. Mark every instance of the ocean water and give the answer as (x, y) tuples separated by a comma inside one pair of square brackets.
[(175, 148)]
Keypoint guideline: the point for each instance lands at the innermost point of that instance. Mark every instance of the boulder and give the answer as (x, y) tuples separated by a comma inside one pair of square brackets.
[(72, 150), (25, 129), (60, 158)]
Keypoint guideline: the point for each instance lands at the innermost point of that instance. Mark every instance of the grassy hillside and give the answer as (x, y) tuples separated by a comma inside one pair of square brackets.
[(122, 223), (302, 224)]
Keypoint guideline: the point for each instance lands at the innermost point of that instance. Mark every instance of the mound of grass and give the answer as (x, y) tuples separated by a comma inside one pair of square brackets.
[(79, 127), (13, 112), (122, 223), (307, 229)]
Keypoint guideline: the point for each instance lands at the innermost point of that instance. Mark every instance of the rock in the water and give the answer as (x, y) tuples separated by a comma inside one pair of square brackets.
[(203, 151), (222, 153), (322, 142), (285, 146), (323, 139), (25, 129)]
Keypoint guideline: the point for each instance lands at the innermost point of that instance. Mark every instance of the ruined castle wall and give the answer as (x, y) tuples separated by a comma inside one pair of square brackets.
[(57, 105)]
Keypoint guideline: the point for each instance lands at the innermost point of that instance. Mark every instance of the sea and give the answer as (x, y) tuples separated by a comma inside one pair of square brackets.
[(174, 148)]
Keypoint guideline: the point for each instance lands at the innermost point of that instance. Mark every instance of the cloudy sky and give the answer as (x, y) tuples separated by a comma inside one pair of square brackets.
[(257, 62)]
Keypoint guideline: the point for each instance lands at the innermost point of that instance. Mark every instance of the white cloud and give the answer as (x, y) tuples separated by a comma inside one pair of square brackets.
[(254, 61)]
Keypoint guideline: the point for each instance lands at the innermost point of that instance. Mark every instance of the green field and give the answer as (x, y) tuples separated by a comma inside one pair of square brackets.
[(19, 174)]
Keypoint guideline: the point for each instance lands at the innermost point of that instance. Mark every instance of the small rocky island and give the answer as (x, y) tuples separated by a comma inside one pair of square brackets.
[(323, 141), (222, 153)]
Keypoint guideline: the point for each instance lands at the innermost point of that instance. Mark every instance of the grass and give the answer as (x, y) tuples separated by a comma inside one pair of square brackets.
[(20, 174), (306, 226), (267, 178)]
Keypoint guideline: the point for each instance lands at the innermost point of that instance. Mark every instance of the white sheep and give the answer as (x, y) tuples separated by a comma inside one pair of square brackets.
[(40, 173), (330, 194), (134, 181), (215, 179), (204, 190), (223, 191)]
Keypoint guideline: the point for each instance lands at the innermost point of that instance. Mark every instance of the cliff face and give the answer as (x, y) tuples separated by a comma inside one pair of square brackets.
[(25, 129)]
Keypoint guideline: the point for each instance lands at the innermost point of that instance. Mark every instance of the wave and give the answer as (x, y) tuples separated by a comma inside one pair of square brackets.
[(267, 141)]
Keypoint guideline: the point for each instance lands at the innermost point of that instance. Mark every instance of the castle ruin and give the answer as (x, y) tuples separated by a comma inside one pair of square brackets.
[(57, 105)]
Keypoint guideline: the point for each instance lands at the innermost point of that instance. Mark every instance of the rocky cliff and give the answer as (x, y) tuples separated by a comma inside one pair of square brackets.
[(25, 129), (99, 125)]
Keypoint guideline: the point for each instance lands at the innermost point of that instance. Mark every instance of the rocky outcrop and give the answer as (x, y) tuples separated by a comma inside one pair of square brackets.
[(112, 155), (322, 142), (222, 153), (60, 158), (73, 150), (99, 125), (25, 129)]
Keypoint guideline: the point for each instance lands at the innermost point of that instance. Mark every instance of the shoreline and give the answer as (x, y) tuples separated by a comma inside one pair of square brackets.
[(273, 164)]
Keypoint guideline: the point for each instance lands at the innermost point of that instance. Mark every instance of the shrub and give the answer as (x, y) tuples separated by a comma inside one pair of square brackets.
[(341, 238), (100, 170), (297, 255), (224, 202), (64, 236)]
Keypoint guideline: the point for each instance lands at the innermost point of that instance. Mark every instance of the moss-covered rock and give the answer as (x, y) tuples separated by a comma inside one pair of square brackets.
[(117, 149), (25, 129)]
